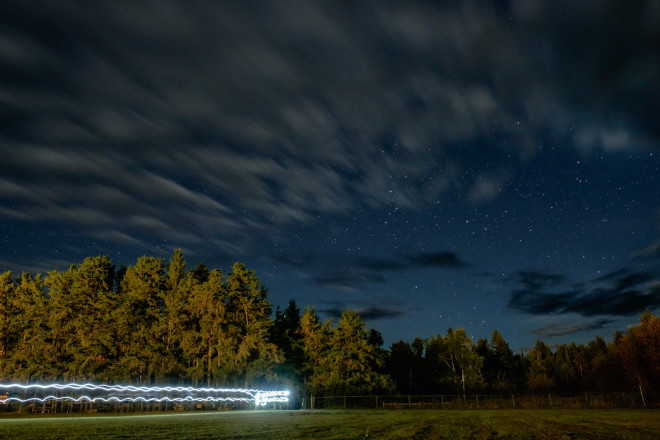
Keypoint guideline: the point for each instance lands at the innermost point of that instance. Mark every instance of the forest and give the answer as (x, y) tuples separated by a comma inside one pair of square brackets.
[(158, 322)]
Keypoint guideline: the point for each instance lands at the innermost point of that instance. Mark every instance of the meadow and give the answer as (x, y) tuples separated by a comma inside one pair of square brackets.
[(551, 424)]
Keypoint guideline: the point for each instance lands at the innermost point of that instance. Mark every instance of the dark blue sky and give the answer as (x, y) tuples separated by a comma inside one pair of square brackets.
[(476, 164)]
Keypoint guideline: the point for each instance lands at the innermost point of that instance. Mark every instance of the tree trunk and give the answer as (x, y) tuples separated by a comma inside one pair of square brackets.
[(208, 365), (641, 392)]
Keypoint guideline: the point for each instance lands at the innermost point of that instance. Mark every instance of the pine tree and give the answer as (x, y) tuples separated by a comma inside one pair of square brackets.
[(253, 356), (314, 340), (6, 292), (138, 317), (566, 375), (206, 329), (348, 364), (400, 366), (29, 357), (285, 336), (81, 327), (172, 319)]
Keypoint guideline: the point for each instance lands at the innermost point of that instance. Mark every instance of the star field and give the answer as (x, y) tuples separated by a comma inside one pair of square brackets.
[(486, 165)]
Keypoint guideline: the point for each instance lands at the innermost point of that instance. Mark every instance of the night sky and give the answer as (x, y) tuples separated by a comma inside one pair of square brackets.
[(485, 165)]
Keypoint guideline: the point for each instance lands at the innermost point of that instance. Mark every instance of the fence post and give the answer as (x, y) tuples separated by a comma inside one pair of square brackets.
[(344, 402), (311, 401), (376, 402)]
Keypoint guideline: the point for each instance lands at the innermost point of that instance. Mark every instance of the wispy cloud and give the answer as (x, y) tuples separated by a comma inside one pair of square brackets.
[(554, 330), (537, 279), (621, 293), (368, 311), (652, 251), (367, 314), (437, 259), (217, 122), (357, 273), (348, 279)]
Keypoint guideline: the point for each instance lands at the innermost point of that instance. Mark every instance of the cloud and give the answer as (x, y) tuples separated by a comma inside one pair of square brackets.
[(554, 330), (540, 303), (219, 122), (366, 314), (368, 311), (537, 279), (650, 252), (377, 264), (613, 275), (291, 260), (348, 279), (380, 264), (437, 259), (356, 273), (617, 294), (487, 188)]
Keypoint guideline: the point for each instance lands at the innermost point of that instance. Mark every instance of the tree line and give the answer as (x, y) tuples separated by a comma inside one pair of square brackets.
[(155, 323)]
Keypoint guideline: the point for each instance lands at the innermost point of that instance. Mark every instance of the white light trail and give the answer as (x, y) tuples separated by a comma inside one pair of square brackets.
[(260, 397), (129, 388), (126, 399)]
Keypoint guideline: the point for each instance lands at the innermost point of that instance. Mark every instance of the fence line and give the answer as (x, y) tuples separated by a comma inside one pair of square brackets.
[(388, 402), (476, 401)]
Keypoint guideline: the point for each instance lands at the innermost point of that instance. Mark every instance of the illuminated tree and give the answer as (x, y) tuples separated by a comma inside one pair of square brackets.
[(228, 337), (60, 321), (81, 302), (27, 319), (314, 343), (204, 335), (639, 350), (92, 290), (6, 292), (172, 318), (348, 364), (250, 356), (138, 317)]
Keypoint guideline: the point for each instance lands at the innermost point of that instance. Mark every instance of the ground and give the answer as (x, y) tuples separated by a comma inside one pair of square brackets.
[(352, 424)]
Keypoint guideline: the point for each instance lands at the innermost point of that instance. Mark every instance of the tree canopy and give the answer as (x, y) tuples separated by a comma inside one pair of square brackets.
[(166, 322)]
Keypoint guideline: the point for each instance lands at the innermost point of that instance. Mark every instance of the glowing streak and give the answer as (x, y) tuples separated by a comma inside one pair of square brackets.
[(130, 388), (127, 399), (260, 397)]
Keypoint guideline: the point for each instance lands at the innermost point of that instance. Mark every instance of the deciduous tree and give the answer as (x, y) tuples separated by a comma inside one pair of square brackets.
[(458, 353)]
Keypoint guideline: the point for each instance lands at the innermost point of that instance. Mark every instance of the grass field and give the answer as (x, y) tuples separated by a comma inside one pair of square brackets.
[(350, 424)]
